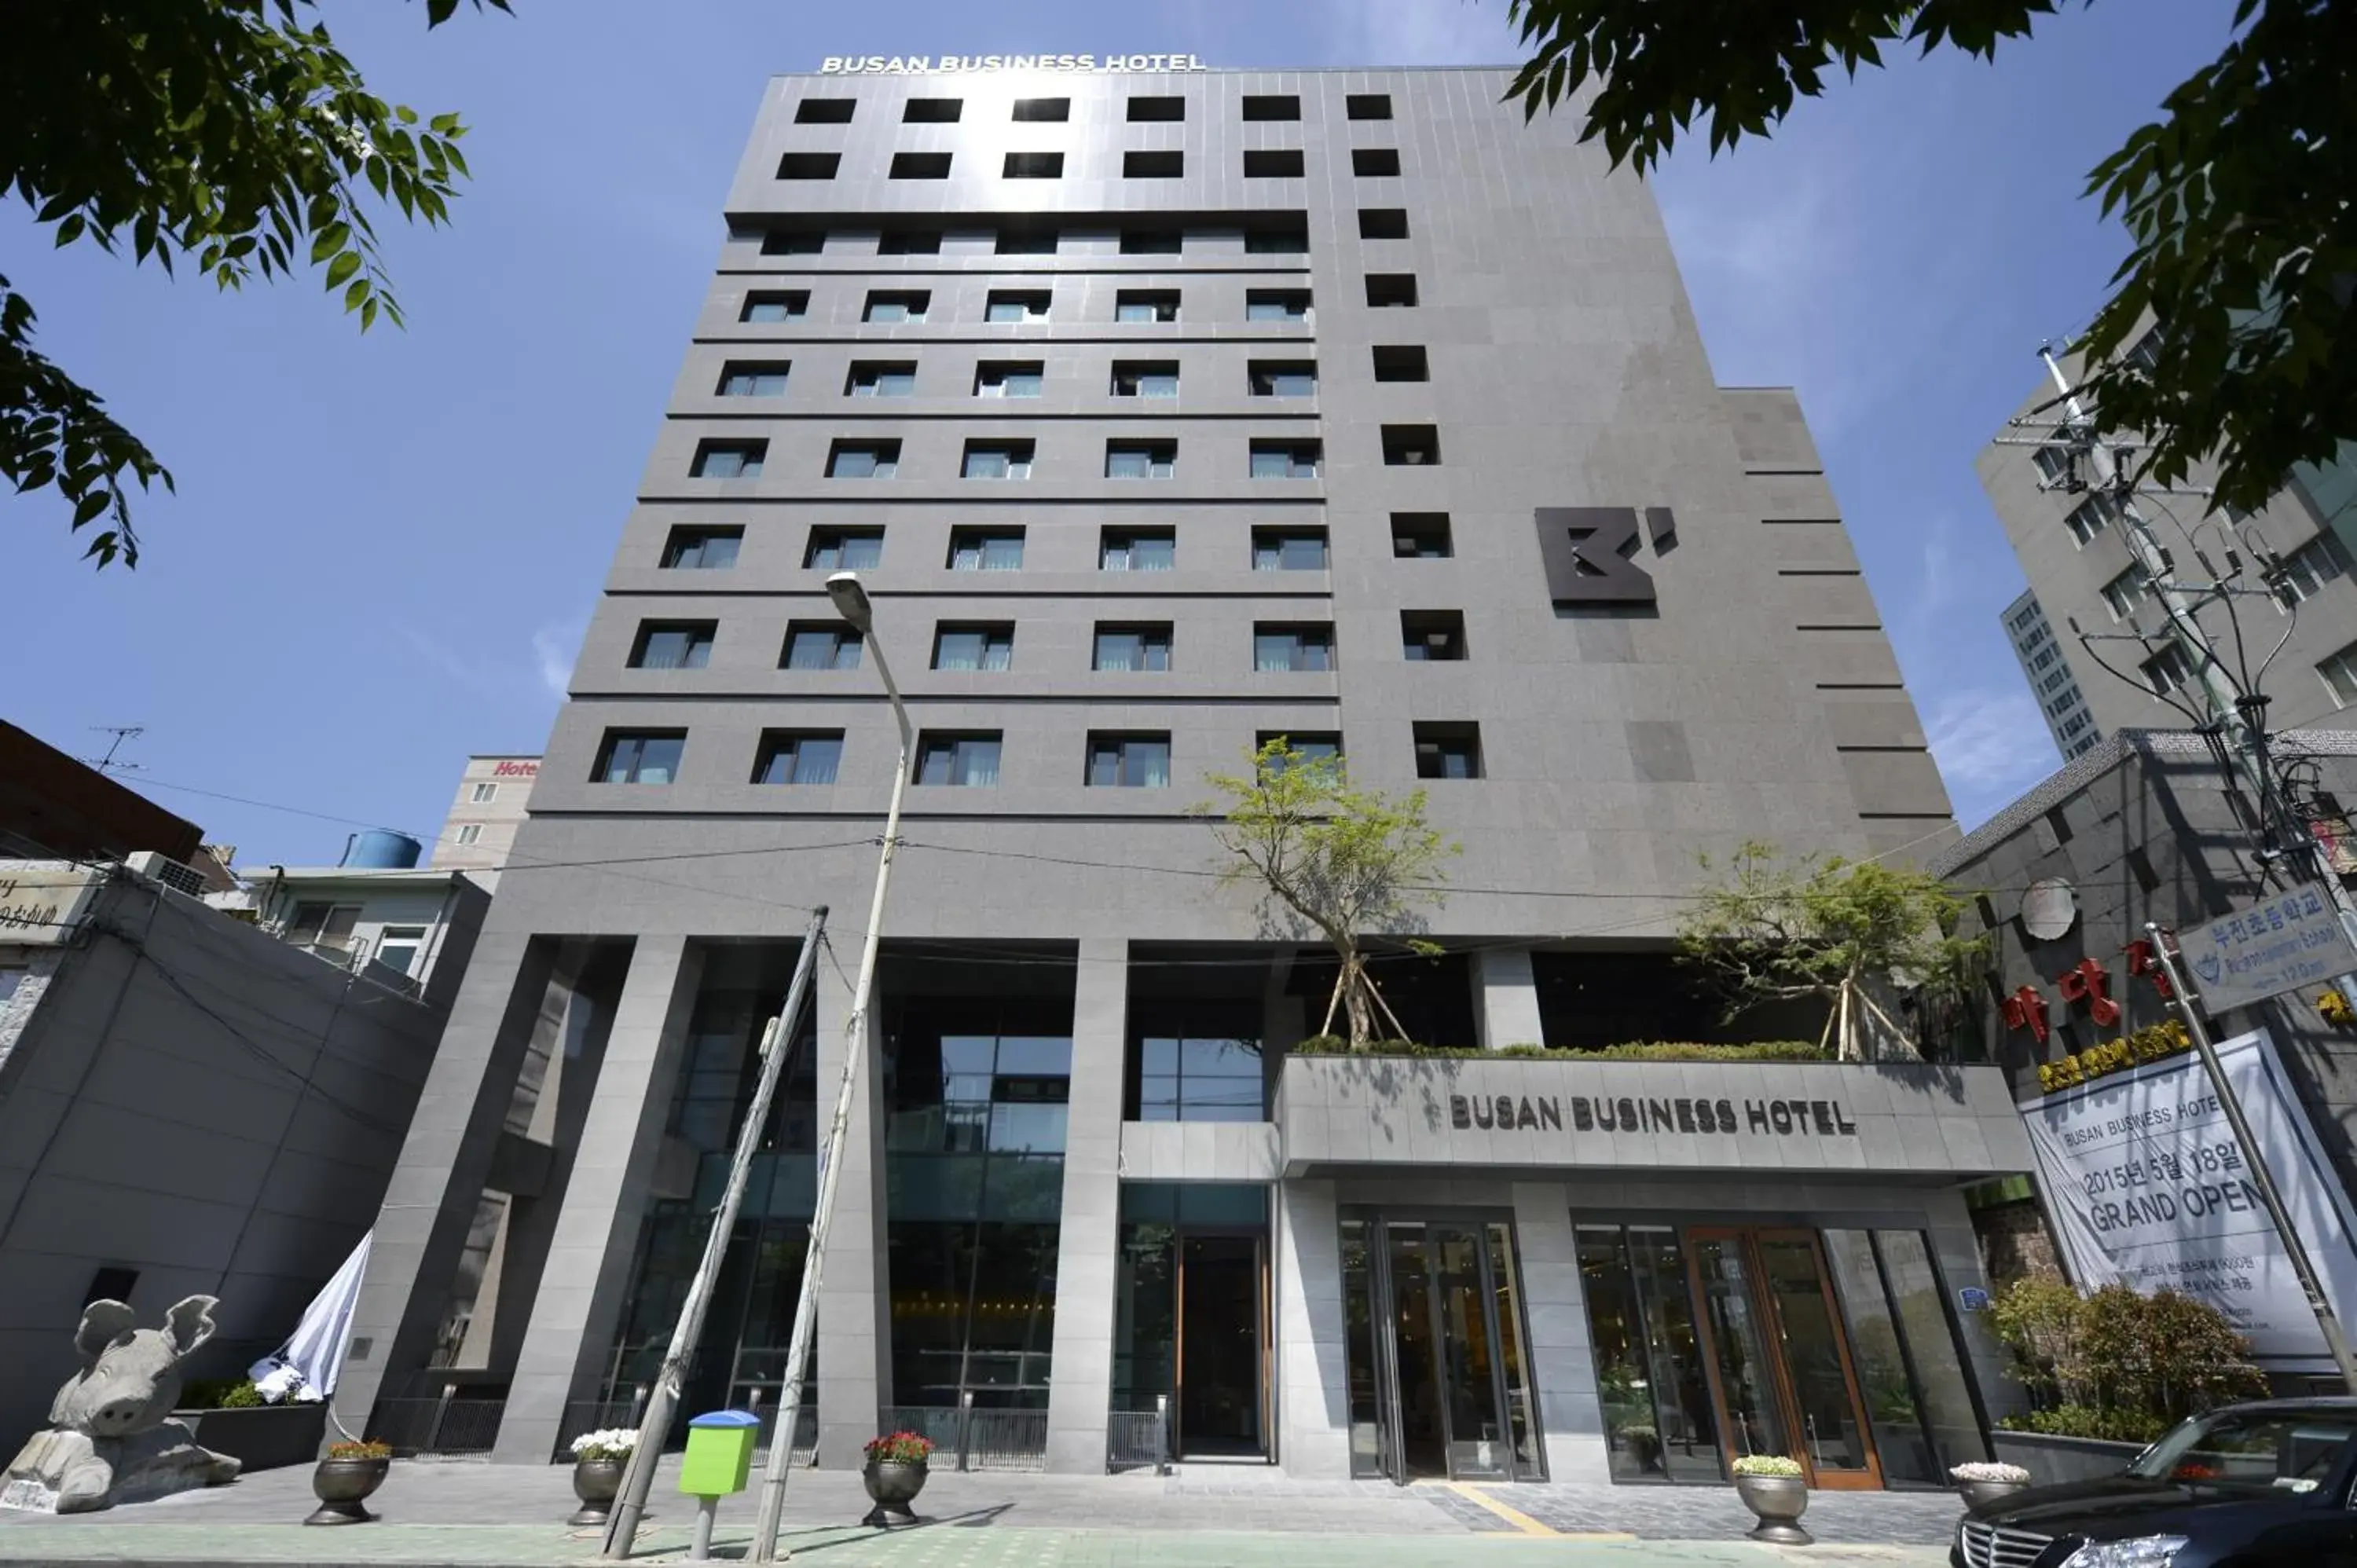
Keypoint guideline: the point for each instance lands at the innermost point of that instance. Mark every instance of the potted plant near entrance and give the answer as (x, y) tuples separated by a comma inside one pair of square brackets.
[(1981, 1482), (344, 1479), (599, 1459), (1771, 1487), (894, 1475)]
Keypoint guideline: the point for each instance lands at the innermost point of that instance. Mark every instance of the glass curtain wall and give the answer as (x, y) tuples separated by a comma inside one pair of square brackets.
[(1197, 1062), (1189, 1309), (1659, 1421), (977, 1088), (1909, 1368)]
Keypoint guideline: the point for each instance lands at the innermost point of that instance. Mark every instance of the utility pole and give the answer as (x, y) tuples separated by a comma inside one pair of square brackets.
[(776, 1044), (2286, 1232), (2242, 716)]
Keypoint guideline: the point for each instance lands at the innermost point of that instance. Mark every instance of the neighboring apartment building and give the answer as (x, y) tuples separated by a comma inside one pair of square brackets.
[(2073, 549), (2051, 682), (483, 820), (1162, 414)]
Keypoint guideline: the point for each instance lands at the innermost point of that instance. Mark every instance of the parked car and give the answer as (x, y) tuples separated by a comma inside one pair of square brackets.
[(2243, 1486)]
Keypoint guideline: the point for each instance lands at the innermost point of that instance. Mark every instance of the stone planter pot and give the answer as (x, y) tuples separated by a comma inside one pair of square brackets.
[(1777, 1502), (342, 1485), (596, 1482), (1979, 1494), (892, 1487)]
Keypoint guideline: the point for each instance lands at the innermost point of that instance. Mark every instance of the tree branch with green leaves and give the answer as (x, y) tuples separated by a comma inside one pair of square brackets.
[(2243, 237), (1848, 932), (231, 136), (1346, 863)]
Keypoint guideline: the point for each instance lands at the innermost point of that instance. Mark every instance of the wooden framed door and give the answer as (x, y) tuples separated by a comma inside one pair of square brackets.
[(1777, 1356)]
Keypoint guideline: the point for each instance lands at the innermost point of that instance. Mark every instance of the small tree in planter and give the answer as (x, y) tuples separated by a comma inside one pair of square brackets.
[(1344, 863), (1771, 1487), (599, 1460), (1842, 931), (345, 1479), (897, 1467)]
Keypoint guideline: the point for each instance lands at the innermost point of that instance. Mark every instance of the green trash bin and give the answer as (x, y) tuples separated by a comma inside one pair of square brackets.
[(718, 1460)]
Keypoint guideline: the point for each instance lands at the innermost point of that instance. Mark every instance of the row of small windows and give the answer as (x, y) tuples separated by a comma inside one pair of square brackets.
[(1404, 445), (2302, 576), (1142, 108), (900, 307), (1026, 377), (1113, 759), (1416, 535), (1260, 163), (1278, 647), (1039, 238)]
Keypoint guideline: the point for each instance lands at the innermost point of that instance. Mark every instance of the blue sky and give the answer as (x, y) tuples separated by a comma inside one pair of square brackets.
[(384, 548)]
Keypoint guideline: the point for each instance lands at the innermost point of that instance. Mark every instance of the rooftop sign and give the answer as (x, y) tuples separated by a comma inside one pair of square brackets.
[(938, 65)]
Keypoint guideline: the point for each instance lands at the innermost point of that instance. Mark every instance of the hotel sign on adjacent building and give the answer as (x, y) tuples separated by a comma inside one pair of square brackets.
[(938, 65), (41, 903)]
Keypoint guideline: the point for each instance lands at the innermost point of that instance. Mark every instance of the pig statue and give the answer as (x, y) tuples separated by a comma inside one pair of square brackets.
[(110, 1438)]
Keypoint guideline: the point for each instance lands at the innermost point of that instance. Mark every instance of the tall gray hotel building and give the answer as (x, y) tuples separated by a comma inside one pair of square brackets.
[(1161, 413)]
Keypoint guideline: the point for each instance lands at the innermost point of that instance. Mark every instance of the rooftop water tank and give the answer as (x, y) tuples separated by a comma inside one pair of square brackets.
[(377, 849)]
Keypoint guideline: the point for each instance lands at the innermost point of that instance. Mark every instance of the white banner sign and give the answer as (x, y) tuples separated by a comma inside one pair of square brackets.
[(2278, 944), (2147, 1185), (41, 902)]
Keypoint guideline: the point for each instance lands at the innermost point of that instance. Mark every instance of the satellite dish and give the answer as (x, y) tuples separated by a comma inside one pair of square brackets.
[(2048, 908)]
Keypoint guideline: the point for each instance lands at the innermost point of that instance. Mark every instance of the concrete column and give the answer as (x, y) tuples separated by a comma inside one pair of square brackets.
[(578, 1309), (1079, 1385), (1555, 1309), (1506, 998), (444, 1159), (854, 1300), (1313, 1389)]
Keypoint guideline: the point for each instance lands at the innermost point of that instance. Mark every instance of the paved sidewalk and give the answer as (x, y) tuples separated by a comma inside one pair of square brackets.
[(460, 1513)]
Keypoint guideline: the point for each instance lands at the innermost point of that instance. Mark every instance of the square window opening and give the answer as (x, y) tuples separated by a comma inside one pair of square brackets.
[(1274, 163), (1137, 549), (787, 305), (1277, 305), (673, 645), (640, 756), (1421, 536), (702, 549), (1144, 648), (794, 241), (797, 757), (985, 549), (1432, 636), (808, 166), (1139, 241), (1289, 550), (1283, 378), (1038, 109), (1382, 223), (880, 378), (1286, 459), (729, 459), (1153, 164), (863, 460), (1021, 378), (889, 307), (1279, 650), (825, 111), (967, 761), (1448, 750), (1027, 240), (932, 111), (1141, 459), (1129, 761), (1391, 291), (974, 647), (844, 550), (1033, 165), (1139, 305), (1411, 446), (820, 645), (1146, 377), (1016, 305), (1155, 108), (903, 240), (1402, 362), (1375, 163), (1271, 106), (997, 460), (1368, 105), (920, 165)]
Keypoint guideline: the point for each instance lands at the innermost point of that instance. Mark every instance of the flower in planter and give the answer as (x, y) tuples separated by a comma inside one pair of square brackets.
[(611, 1443), (359, 1451), (1982, 1471), (1766, 1465), (900, 1448)]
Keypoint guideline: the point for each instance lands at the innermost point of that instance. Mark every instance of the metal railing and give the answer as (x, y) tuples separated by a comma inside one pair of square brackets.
[(973, 1439), (444, 1425), (1136, 1439)]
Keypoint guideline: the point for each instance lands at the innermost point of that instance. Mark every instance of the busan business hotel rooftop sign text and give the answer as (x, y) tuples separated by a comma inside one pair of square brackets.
[(936, 65)]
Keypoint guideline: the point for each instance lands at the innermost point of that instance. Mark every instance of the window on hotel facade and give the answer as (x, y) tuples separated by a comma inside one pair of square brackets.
[(1277, 305), (1033, 165), (970, 762), (2340, 675), (958, 647), (791, 304), (1141, 459), (2125, 593), (1129, 761), (844, 549), (1050, 109), (1132, 648), (673, 645), (1274, 163), (893, 307), (863, 460), (932, 111), (795, 241), (702, 549), (1448, 750), (1157, 164), (908, 240), (997, 460), (1135, 304), (876, 378), (1286, 650), (808, 166), (1276, 241), (640, 756), (1288, 549), (1369, 105), (742, 378), (2168, 671), (1420, 535), (1314, 746), (976, 1089), (1271, 106), (1027, 239), (820, 645), (1016, 305), (1285, 459), (1402, 362), (1283, 378), (1137, 549), (2090, 517), (1157, 108), (1154, 242), (920, 165), (825, 111), (1146, 377), (2306, 569), (1432, 635), (1008, 379), (729, 459), (1196, 1060), (484, 794), (1387, 290), (985, 549), (1382, 223), (797, 757), (1411, 446), (1375, 163)]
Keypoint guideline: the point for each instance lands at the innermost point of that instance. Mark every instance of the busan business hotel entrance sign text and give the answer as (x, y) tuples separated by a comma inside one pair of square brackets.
[(937, 65)]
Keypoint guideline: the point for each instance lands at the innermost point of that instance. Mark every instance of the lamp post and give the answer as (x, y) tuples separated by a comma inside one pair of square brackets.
[(852, 602)]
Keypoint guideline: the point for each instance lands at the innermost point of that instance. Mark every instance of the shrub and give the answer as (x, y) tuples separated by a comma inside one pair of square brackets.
[(221, 1393), (2115, 1358), (900, 1448), (370, 1450), (1766, 1465)]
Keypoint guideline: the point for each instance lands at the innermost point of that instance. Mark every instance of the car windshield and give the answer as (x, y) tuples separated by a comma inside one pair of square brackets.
[(2294, 1451)]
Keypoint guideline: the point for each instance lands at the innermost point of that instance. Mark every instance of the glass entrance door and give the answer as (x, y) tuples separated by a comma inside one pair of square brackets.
[(1223, 1336), (1437, 1382), (1780, 1360)]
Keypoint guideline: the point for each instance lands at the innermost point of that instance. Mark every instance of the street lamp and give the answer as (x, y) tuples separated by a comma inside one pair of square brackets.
[(852, 602)]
